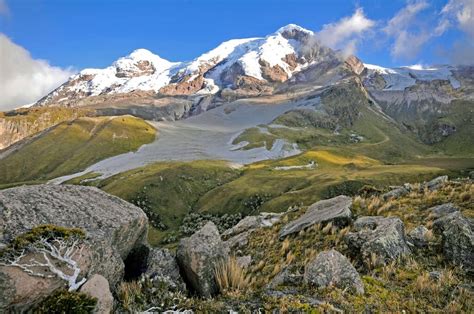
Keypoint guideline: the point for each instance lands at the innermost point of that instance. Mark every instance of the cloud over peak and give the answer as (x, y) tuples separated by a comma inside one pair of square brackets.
[(24, 80)]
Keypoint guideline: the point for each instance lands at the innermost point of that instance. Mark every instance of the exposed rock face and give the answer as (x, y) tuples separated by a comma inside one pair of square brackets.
[(355, 64), (113, 228), (383, 237), (98, 287), (336, 210), (17, 125), (458, 239), (443, 210), (162, 266), (185, 87), (331, 268), (198, 256), (274, 73), (418, 236)]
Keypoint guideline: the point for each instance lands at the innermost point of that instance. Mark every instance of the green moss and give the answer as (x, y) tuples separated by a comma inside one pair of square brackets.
[(64, 301)]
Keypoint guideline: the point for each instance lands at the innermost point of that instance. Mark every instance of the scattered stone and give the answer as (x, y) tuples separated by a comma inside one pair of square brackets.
[(458, 239), (286, 277), (239, 240), (244, 261), (396, 193), (443, 210), (417, 237), (436, 183), (163, 267), (198, 256), (336, 210), (435, 275), (251, 223), (113, 229), (98, 287), (379, 236), (331, 268)]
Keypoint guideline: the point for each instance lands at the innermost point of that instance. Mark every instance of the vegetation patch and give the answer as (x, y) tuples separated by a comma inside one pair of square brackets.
[(64, 301)]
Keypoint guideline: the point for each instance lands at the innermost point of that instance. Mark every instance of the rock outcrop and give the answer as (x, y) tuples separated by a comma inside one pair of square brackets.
[(436, 183), (198, 256), (457, 239), (331, 268), (336, 210), (98, 287), (162, 266), (383, 238), (417, 237), (112, 226)]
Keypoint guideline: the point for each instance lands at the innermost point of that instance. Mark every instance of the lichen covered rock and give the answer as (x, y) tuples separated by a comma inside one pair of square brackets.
[(198, 256), (162, 266), (331, 268)]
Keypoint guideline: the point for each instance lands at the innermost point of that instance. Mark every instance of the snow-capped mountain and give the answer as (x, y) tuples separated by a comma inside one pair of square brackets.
[(251, 62)]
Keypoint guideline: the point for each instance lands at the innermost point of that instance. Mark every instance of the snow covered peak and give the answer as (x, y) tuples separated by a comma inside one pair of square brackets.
[(293, 28)]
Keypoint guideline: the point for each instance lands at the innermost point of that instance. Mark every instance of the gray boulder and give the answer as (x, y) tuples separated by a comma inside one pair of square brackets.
[(379, 236), (443, 210), (336, 210), (163, 267), (436, 183), (198, 257), (417, 237), (457, 239), (331, 268), (113, 229)]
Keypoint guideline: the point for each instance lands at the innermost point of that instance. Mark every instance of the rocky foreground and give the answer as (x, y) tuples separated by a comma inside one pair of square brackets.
[(78, 249)]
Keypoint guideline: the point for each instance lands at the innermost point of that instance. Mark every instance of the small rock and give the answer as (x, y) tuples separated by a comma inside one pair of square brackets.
[(98, 287), (239, 240), (286, 278), (162, 266), (418, 236), (336, 210), (331, 268), (198, 256), (252, 222), (384, 237), (244, 261), (458, 239), (443, 210), (436, 183), (395, 193), (435, 275)]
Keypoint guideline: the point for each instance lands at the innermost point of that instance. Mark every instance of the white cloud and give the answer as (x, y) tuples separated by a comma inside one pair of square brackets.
[(408, 39), (346, 33), (460, 13), (24, 80), (4, 10)]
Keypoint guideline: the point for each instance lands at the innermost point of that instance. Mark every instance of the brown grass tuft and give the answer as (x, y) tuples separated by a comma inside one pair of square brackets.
[(230, 277)]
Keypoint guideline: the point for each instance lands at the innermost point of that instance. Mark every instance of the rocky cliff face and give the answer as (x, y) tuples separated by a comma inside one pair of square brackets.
[(15, 126)]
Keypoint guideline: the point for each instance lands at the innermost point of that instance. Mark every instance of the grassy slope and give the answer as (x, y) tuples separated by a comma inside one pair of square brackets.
[(72, 146)]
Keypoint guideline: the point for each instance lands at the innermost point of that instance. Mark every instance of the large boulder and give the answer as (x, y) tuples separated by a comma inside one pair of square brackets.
[(112, 226), (336, 210), (163, 267), (98, 287), (458, 239), (396, 193), (331, 268), (198, 256), (378, 236), (443, 210)]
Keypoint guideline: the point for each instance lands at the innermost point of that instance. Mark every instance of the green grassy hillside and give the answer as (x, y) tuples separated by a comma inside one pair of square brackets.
[(72, 146)]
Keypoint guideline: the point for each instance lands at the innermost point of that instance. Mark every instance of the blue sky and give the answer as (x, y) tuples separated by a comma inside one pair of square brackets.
[(93, 33)]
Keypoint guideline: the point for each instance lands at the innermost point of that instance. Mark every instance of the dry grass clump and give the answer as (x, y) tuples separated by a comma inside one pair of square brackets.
[(231, 278), (128, 292)]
